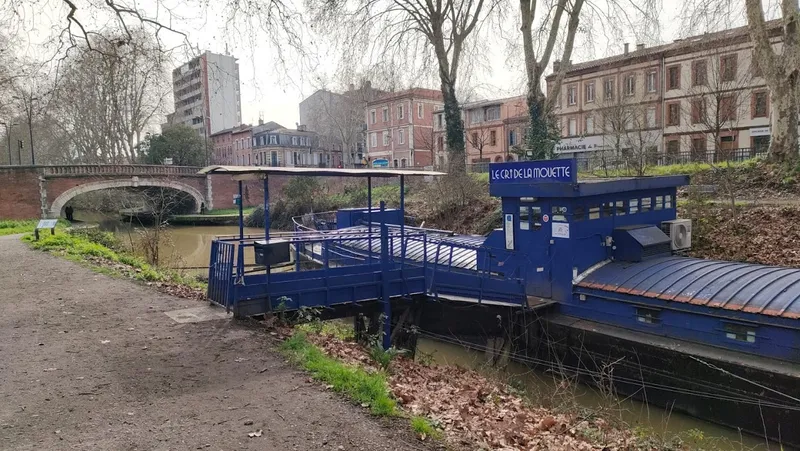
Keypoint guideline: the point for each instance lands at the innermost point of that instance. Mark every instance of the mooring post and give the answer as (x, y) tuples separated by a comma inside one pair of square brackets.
[(266, 207), (241, 215), (402, 221), (369, 218), (385, 295)]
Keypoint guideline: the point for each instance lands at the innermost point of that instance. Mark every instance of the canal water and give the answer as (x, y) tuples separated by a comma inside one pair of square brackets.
[(188, 248)]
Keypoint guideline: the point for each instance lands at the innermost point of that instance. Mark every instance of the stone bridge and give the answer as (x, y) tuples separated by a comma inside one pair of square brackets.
[(43, 191)]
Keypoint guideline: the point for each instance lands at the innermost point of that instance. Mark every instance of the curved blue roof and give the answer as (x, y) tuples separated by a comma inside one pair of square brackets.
[(766, 290)]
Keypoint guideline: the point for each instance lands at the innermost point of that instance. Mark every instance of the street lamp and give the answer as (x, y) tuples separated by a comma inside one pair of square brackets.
[(8, 136)]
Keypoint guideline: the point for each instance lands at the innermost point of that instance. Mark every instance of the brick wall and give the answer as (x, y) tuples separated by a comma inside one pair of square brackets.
[(19, 194)]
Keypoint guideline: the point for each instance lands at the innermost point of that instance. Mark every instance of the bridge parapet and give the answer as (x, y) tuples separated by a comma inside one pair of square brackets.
[(88, 170)]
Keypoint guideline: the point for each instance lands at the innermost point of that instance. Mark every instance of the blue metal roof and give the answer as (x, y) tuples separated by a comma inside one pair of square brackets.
[(766, 290)]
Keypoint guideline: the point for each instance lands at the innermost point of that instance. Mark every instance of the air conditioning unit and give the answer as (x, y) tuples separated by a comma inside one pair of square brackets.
[(679, 232)]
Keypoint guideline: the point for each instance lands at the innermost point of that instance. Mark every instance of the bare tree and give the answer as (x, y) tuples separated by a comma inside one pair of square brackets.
[(779, 64), (630, 135), (408, 32), (478, 139), (556, 24), (106, 99)]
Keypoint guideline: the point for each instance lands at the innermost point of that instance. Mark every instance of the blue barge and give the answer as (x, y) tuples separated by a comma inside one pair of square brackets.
[(582, 275)]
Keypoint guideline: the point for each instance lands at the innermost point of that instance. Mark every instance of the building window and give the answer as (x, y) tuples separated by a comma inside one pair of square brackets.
[(493, 113), (674, 77), (674, 113), (403, 163), (651, 81), (386, 138), (395, 163), (294, 140), (648, 316), (760, 104), (608, 89), (589, 128), (740, 332), (572, 95), (590, 92), (727, 67), (673, 148), (760, 143), (727, 108), (650, 118), (699, 73), (420, 110), (373, 139), (698, 110), (492, 138), (476, 116), (512, 137), (401, 136), (273, 139), (630, 85), (401, 112), (440, 121), (699, 149), (572, 127), (755, 69), (372, 115), (385, 114)]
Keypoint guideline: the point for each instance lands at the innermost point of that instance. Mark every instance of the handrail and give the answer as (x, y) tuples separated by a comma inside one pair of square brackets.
[(118, 169)]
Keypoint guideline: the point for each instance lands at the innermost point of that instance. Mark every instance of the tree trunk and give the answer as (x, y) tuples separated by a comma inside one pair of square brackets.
[(456, 149), (783, 144)]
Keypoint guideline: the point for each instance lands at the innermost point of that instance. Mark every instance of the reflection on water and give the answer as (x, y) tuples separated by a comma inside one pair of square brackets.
[(185, 247), (549, 391)]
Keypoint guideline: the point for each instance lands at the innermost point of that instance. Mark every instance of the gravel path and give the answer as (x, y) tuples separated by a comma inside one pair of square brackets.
[(92, 362)]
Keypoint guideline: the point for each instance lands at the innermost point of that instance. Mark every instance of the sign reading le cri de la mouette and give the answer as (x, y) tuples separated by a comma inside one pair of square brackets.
[(541, 171)]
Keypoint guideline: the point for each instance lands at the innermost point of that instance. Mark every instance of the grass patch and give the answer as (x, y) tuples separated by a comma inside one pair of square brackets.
[(358, 385), (13, 226), (424, 428), (229, 211), (83, 246)]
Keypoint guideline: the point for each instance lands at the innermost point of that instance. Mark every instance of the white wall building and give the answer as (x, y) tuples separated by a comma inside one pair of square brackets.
[(207, 94)]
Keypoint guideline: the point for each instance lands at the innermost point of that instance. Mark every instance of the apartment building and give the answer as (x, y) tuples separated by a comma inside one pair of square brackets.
[(400, 131), (490, 129), (338, 119), (232, 145), (697, 96), (206, 94), (274, 145)]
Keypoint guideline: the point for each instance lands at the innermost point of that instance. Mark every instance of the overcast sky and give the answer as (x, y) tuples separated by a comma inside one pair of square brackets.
[(269, 90)]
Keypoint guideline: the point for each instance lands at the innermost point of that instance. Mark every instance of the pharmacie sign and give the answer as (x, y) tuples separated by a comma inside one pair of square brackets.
[(540, 171), (580, 144)]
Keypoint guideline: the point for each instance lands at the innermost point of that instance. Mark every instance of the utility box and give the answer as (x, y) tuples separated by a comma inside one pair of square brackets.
[(636, 243), (272, 252)]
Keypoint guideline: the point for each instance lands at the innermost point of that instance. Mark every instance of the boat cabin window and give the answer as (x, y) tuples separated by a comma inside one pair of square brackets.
[(648, 316), (633, 204), (524, 217), (608, 209), (620, 207), (559, 213), (740, 332), (578, 213), (659, 203), (536, 218), (594, 212), (668, 201), (645, 205)]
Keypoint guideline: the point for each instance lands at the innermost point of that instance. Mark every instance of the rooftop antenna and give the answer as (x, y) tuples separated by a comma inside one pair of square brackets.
[(226, 50)]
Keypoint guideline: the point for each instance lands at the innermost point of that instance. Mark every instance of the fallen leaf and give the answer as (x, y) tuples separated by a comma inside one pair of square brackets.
[(255, 434)]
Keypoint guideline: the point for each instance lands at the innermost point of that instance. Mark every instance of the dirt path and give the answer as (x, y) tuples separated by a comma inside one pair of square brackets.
[(91, 362)]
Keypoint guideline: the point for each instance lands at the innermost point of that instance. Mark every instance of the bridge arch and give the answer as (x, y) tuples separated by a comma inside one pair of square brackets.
[(61, 201)]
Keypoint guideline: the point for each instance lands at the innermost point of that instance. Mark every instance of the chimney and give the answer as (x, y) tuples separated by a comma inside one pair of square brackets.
[(639, 46), (626, 48), (556, 65), (260, 121)]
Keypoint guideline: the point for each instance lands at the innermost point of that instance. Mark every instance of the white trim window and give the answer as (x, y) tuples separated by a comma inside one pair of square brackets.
[(651, 81), (401, 136), (572, 126), (294, 140), (401, 112), (589, 125), (373, 139), (572, 95), (650, 118), (372, 116), (630, 85), (590, 92), (493, 113), (385, 114), (420, 110), (273, 139), (386, 138)]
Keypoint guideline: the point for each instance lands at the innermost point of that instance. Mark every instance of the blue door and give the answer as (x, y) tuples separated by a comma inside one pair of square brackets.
[(533, 243)]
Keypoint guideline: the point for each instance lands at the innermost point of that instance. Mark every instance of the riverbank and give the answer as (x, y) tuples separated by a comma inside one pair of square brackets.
[(95, 362)]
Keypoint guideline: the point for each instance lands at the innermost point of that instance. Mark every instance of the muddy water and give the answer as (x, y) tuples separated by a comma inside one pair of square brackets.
[(189, 247), (550, 392)]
